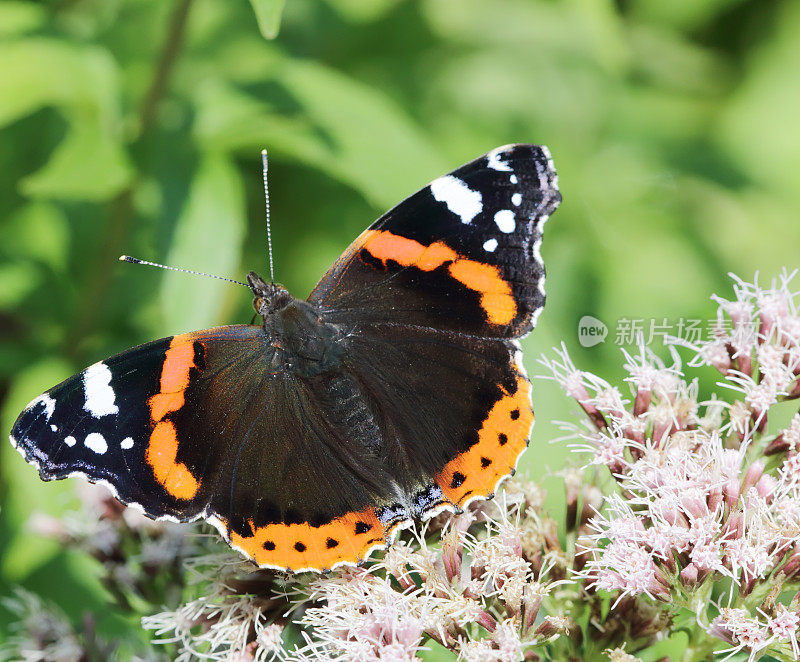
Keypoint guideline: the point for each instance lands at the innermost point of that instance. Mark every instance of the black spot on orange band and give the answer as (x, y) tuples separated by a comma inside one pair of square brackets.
[(503, 435), (302, 546)]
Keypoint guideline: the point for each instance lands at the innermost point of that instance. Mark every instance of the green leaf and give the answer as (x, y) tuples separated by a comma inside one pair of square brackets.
[(371, 139), (358, 11), (208, 237), (350, 131), (17, 281), (38, 231), (39, 72), (268, 15), (20, 17), (81, 81), (87, 165), (759, 127)]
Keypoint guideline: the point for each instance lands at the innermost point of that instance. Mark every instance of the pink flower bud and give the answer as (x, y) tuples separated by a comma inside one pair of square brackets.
[(594, 414), (745, 362), (451, 559), (720, 630), (777, 445), (792, 565), (714, 499), (752, 476), (734, 527), (530, 609), (486, 620), (731, 492), (642, 402), (551, 626), (746, 585), (689, 576), (766, 486)]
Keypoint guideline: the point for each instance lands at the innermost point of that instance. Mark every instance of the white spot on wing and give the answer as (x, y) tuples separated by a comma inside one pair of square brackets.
[(54, 428), (99, 394), (494, 160), (459, 198), (505, 220), (514, 179), (69, 441), (490, 245), (126, 443), (47, 401), (516, 199), (96, 442)]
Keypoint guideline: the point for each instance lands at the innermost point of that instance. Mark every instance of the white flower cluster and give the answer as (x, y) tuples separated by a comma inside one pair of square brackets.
[(704, 491), (475, 593), (466, 584), (225, 623)]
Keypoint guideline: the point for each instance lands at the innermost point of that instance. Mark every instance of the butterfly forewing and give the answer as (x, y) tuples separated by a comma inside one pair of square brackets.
[(461, 254)]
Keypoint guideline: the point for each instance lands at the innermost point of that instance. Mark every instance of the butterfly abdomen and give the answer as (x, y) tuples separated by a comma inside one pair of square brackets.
[(347, 409)]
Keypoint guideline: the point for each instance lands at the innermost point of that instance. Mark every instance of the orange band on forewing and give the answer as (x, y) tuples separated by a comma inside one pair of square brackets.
[(387, 246), (347, 539), (161, 455), (162, 449), (497, 298), (502, 437), (178, 361), (162, 404)]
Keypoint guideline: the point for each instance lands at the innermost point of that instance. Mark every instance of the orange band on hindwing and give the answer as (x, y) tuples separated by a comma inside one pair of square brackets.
[(497, 299), (162, 448), (502, 437), (346, 539)]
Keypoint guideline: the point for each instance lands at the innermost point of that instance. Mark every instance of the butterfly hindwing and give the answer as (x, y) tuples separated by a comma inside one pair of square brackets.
[(455, 410), (461, 254)]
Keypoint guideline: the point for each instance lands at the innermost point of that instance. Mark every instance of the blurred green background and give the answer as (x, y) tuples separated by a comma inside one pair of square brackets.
[(135, 126)]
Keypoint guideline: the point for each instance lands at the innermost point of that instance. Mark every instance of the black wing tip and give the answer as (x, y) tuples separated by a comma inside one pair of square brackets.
[(520, 151), (26, 449), (526, 159)]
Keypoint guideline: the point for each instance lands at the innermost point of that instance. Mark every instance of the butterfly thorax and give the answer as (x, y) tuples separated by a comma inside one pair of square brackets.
[(304, 343)]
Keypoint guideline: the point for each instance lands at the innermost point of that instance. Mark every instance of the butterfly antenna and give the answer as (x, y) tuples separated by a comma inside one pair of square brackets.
[(136, 260), (264, 170)]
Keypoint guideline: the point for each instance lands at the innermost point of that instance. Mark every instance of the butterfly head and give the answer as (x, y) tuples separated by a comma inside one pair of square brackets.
[(267, 297)]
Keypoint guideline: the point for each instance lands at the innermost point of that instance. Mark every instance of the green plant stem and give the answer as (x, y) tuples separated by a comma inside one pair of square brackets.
[(166, 62), (120, 210)]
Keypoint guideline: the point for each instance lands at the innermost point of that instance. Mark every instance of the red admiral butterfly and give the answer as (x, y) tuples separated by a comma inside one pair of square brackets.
[(395, 391)]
